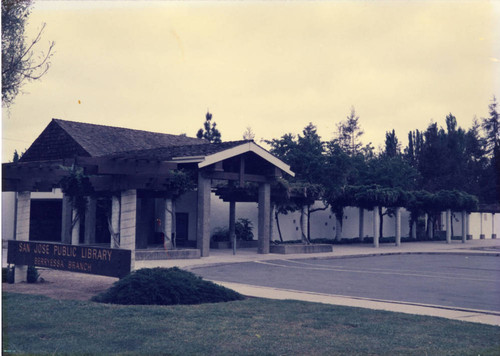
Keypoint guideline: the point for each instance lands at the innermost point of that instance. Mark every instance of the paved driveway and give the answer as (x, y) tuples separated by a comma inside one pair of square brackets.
[(461, 281)]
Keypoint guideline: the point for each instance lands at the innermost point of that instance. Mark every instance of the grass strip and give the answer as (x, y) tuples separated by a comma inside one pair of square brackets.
[(41, 325)]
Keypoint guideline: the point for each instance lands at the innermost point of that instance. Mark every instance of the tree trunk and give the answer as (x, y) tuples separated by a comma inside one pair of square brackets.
[(381, 226), (276, 214)]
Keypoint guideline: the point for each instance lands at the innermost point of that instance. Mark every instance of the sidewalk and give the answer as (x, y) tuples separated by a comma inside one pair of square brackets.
[(487, 247), (94, 284), (481, 247)]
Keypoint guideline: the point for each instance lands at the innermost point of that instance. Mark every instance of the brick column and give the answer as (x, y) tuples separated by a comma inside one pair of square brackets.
[(22, 230), (264, 211), (203, 218), (128, 222), (66, 220), (398, 226)]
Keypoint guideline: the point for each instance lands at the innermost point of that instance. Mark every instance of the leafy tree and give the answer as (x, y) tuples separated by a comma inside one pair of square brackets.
[(305, 155), (76, 184), (20, 62), (180, 182), (392, 146), (16, 156), (210, 131), (349, 134), (491, 128)]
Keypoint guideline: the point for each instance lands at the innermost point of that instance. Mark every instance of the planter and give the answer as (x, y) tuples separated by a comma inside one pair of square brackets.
[(228, 244), (158, 254), (220, 244), (300, 248), (246, 244)]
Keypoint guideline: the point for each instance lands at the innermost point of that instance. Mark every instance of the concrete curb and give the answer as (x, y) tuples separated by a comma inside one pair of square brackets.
[(462, 314)]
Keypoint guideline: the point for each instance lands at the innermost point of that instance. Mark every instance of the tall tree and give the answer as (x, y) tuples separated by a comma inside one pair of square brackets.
[(349, 133), (209, 131), (491, 127), (20, 61), (392, 146), (248, 134), (305, 155)]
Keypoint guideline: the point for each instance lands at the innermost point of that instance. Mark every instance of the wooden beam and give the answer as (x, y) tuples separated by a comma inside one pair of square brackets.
[(128, 166), (236, 177)]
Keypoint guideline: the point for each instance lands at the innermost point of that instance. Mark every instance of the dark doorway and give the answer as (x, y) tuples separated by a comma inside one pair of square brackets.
[(182, 229), (45, 220), (103, 213)]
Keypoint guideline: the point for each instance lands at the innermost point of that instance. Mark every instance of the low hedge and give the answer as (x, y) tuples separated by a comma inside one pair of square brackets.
[(165, 286)]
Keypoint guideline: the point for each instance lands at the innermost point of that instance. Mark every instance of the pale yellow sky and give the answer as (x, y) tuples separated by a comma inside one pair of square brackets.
[(274, 66)]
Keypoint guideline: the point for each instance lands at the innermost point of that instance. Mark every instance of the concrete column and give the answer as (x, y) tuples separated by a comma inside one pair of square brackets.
[(264, 210), (271, 222), (66, 220), (22, 230), (448, 226), (431, 227), (128, 218), (90, 213), (115, 222), (338, 228), (481, 235), (167, 218), (398, 226), (303, 224), (426, 221), (493, 235), (376, 225), (361, 224), (467, 227), (75, 231), (414, 231), (203, 219), (232, 225), (464, 226)]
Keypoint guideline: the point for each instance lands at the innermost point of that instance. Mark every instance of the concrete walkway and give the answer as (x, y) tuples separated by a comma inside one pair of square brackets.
[(481, 247)]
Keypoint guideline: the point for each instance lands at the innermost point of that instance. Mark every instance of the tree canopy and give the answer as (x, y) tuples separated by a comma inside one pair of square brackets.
[(21, 61), (209, 131)]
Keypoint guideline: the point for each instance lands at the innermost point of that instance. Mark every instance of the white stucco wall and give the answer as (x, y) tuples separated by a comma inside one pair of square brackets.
[(322, 222)]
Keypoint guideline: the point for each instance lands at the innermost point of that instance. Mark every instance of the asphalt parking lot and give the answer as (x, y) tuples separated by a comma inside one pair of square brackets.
[(457, 281)]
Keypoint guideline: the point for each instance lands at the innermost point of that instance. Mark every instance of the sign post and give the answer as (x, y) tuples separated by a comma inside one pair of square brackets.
[(83, 259)]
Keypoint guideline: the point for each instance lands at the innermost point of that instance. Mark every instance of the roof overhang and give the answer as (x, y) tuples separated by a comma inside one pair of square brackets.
[(244, 148)]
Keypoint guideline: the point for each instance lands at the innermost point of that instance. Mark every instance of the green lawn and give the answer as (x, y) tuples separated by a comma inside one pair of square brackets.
[(40, 325)]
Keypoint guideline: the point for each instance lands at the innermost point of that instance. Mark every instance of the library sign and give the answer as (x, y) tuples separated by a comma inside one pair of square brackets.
[(83, 259)]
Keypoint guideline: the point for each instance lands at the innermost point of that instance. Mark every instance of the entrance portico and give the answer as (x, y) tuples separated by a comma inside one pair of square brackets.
[(130, 182)]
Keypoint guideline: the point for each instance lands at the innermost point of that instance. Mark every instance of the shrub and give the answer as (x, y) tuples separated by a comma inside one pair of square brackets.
[(165, 286), (8, 274), (220, 234), (243, 230), (32, 276)]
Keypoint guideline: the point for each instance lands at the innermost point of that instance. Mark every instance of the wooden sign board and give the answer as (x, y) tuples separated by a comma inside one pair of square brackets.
[(82, 259)]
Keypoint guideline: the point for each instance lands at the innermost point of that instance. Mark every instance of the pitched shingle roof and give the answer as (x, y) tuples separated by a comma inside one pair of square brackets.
[(66, 139), (167, 153)]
